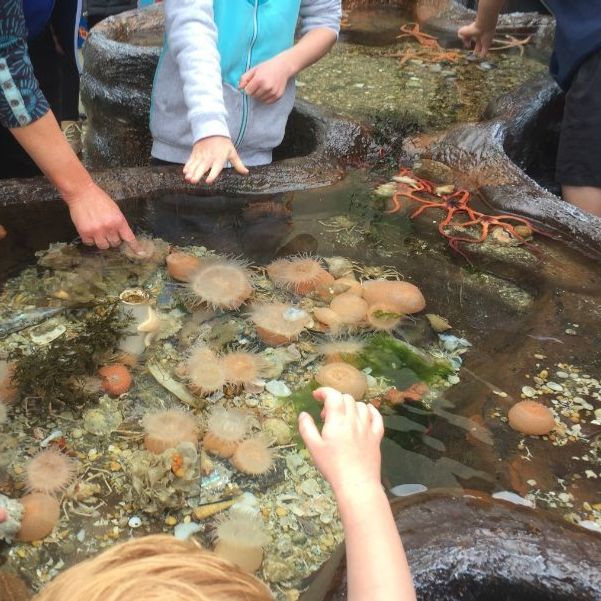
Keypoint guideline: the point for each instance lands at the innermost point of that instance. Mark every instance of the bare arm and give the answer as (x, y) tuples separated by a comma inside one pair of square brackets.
[(96, 217), (482, 30), (347, 452)]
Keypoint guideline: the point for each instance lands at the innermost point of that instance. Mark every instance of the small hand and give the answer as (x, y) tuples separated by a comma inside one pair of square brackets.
[(347, 452), (481, 38), (267, 82), (98, 219), (211, 155)]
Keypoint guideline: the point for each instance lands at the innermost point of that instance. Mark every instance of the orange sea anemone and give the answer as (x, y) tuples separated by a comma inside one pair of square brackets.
[(300, 274), (116, 379), (40, 515), (350, 307), (181, 266), (166, 429), (49, 472), (530, 417), (221, 283), (328, 317), (403, 296), (279, 323), (205, 370), (253, 457), (347, 284), (241, 541), (383, 316), (243, 367), (343, 377), (226, 428)]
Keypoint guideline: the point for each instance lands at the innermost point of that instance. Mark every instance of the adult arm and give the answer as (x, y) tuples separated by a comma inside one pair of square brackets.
[(320, 23), (347, 453), (192, 39), (25, 112), (482, 30)]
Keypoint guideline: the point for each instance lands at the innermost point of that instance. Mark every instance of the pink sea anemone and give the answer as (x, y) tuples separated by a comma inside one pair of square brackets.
[(328, 317), (383, 316), (166, 429), (149, 250), (221, 283), (350, 308), (300, 274), (115, 379), (241, 541), (49, 472), (403, 296), (530, 417), (253, 457), (243, 367), (181, 266), (226, 428), (343, 377), (40, 515), (206, 371), (279, 323)]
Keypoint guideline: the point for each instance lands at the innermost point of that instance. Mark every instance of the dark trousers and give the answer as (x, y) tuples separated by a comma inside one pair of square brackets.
[(47, 66)]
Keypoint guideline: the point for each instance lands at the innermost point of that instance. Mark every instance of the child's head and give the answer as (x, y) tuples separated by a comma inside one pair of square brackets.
[(155, 568)]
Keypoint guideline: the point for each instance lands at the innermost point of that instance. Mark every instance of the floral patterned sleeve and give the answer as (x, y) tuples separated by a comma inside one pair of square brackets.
[(21, 100)]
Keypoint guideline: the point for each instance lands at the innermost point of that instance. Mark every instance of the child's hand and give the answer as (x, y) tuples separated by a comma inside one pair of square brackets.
[(267, 82), (211, 155), (347, 452), (475, 33)]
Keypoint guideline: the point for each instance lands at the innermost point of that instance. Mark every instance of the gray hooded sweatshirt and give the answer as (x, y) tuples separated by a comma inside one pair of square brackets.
[(209, 45)]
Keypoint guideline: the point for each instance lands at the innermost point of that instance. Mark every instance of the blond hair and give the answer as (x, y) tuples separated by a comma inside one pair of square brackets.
[(155, 568)]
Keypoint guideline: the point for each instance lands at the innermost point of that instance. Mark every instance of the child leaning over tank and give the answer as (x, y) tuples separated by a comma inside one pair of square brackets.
[(224, 86), (161, 568)]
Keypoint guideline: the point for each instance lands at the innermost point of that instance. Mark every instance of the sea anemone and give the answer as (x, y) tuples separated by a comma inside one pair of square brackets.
[(40, 515), (347, 284), (116, 379), (149, 250), (300, 274), (226, 428), (530, 417), (49, 472), (181, 266), (350, 307), (403, 296), (241, 541), (205, 370), (243, 367), (279, 323), (253, 457), (8, 391), (328, 317), (221, 284), (338, 349), (344, 378), (166, 429), (383, 316)]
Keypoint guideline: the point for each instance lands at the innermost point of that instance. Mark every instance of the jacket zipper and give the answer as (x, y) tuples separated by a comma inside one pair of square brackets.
[(245, 99)]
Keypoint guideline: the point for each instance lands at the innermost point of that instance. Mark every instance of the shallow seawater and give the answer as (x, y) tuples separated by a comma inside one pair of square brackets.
[(520, 328)]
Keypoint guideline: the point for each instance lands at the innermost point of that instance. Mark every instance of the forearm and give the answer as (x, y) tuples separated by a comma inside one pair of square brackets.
[(377, 568), (47, 146), (309, 49), (488, 14)]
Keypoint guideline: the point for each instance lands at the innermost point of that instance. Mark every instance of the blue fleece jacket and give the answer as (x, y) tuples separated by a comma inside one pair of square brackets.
[(208, 45), (577, 36)]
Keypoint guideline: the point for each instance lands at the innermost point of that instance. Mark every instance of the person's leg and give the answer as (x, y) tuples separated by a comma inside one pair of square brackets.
[(579, 154)]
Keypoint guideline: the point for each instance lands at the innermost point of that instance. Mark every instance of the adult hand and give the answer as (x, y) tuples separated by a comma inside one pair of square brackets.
[(479, 36), (98, 219), (211, 155), (267, 82), (347, 452)]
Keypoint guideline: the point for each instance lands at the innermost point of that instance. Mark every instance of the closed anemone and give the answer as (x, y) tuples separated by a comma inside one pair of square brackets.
[(166, 429), (531, 417), (149, 250), (344, 378), (206, 371), (49, 472), (220, 284), (300, 274), (382, 316), (253, 457), (241, 541), (226, 428), (243, 367), (41, 513), (279, 323)]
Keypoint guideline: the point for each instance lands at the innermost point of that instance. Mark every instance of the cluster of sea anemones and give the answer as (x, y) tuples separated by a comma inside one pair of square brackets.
[(220, 283), (207, 371)]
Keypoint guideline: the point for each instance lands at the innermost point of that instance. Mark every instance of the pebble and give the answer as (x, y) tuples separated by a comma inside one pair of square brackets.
[(528, 391), (134, 522), (170, 520), (310, 487), (511, 497), (555, 386), (77, 433), (404, 490), (185, 531), (278, 388), (562, 374)]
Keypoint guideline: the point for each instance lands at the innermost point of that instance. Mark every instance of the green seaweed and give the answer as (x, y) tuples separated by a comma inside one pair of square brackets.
[(400, 363), (50, 373)]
